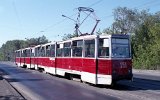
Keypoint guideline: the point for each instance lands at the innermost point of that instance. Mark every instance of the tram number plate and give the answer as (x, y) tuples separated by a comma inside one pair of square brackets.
[(123, 65)]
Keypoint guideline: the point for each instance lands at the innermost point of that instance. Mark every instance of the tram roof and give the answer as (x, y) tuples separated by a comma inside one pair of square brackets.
[(48, 43)]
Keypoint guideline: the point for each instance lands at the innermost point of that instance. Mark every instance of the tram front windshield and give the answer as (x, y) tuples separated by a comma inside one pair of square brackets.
[(120, 48)]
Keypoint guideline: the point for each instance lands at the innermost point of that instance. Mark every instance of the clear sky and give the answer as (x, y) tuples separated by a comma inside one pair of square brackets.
[(20, 19)]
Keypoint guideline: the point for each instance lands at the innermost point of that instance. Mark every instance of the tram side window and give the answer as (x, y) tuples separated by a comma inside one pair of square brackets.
[(28, 53), (67, 49), (77, 48), (24, 53), (103, 51), (32, 52), (90, 48), (52, 51), (42, 52), (17, 53), (48, 50), (59, 50), (36, 52)]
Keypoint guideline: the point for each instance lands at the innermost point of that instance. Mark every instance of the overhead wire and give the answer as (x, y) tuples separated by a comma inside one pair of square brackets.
[(95, 3), (51, 26), (147, 3), (17, 15), (137, 7)]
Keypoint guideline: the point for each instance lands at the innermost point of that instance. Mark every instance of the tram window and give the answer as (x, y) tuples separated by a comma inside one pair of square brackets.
[(42, 52), (28, 53), (17, 53), (24, 53), (48, 51), (103, 51), (67, 49), (39, 51), (52, 51), (90, 48), (21, 53), (67, 52), (77, 48), (67, 45), (36, 52), (120, 48), (59, 50), (32, 52)]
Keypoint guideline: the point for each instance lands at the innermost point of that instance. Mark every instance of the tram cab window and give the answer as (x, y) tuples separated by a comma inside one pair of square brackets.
[(120, 48), (103, 49), (67, 49), (59, 50), (52, 51), (77, 48), (90, 48), (42, 52), (48, 50)]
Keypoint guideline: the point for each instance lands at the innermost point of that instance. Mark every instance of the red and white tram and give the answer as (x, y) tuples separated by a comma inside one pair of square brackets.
[(97, 59)]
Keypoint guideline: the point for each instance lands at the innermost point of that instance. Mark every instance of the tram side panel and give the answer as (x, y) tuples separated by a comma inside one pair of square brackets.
[(104, 71), (22, 61), (89, 70), (122, 69), (41, 62), (27, 61), (32, 62), (18, 61), (36, 62), (76, 65), (61, 68), (52, 68)]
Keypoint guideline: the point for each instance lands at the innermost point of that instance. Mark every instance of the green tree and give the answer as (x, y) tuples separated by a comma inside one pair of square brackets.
[(145, 37), (146, 44), (7, 50), (36, 41)]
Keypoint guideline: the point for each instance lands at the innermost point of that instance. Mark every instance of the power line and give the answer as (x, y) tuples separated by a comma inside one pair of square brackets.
[(51, 26), (17, 15), (157, 4), (147, 3), (138, 7), (95, 3)]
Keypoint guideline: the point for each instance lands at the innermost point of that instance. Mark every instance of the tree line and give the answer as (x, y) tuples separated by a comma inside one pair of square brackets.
[(142, 26), (7, 50)]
